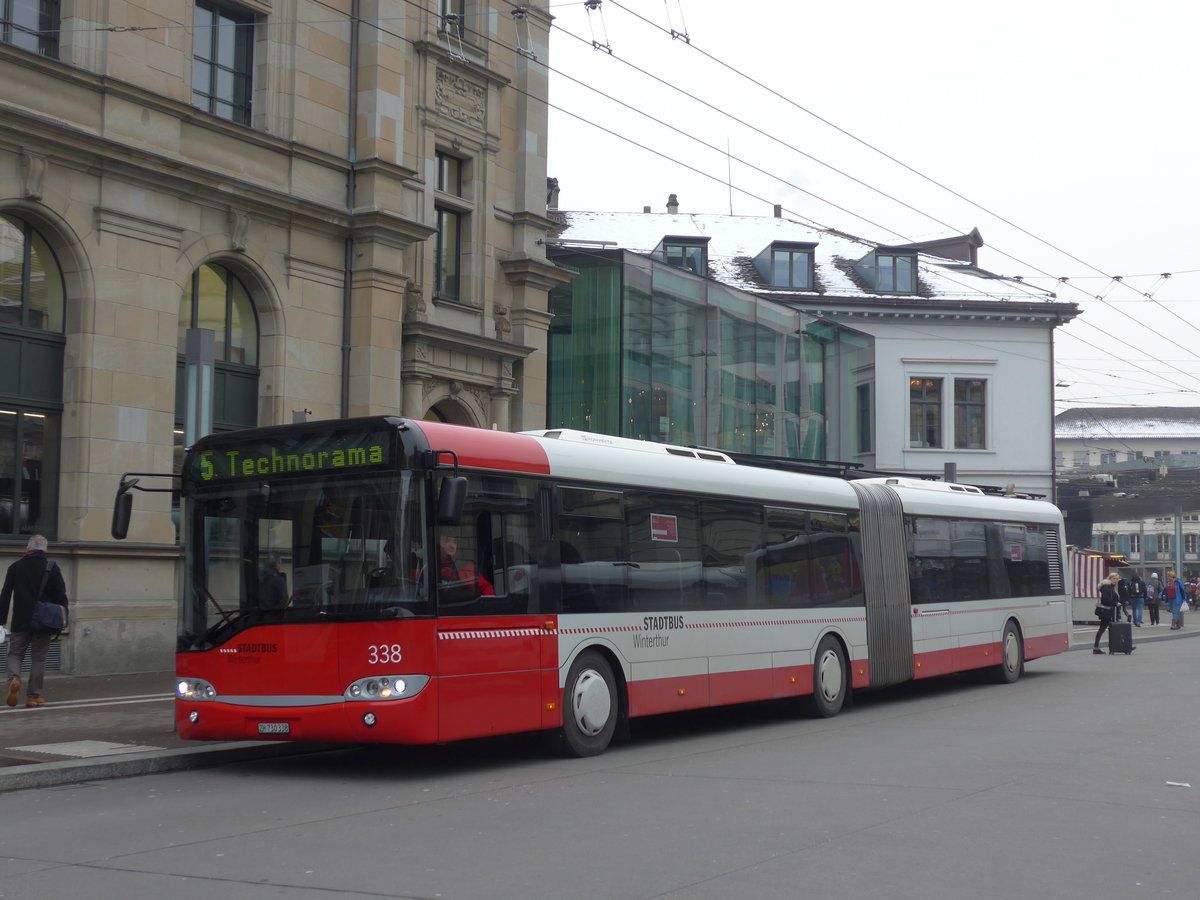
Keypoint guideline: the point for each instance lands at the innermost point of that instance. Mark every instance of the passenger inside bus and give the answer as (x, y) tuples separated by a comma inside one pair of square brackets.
[(273, 589)]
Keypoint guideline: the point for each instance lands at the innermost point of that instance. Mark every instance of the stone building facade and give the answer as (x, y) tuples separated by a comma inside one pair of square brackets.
[(351, 196)]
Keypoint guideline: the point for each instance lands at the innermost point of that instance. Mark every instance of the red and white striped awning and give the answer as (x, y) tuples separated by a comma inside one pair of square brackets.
[(1089, 567)]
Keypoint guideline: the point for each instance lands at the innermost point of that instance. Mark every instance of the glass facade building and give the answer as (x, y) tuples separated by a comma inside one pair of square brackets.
[(642, 349)]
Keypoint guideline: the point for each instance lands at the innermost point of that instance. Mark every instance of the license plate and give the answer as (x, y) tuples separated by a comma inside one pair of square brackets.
[(274, 728)]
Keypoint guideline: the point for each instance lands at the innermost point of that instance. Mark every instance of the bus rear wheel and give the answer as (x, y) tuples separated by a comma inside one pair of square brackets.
[(1012, 656), (830, 679), (589, 706)]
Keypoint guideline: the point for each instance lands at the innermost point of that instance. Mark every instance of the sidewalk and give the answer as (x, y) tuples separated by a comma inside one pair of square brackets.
[(108, 726)]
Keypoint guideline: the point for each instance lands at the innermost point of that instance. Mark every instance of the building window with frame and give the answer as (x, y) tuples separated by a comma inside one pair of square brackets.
[(895, 273), (450, 213), (791, 268), (449, 174), (863, 412), (31, 25), (1189, 543), (32, 304), (970, 413), (689, 256), (1163, 542), (454, 14), (925, 412), (448, 264), (215, 298), (1108, 543), (1135, 545), (223, 60)]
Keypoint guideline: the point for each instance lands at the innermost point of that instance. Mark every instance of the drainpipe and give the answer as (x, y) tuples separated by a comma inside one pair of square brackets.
[(352, 159)]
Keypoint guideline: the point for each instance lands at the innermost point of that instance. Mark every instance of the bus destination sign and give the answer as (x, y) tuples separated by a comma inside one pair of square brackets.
[(283, 456)]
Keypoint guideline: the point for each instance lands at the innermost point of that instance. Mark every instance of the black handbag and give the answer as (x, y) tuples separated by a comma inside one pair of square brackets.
[(47, 616), (1103, 612)]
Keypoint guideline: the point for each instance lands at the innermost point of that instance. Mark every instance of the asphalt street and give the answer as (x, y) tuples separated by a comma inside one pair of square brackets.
[(96, 727)]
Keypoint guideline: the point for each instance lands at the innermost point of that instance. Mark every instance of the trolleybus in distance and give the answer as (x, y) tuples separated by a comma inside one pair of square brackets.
[(594, 580)]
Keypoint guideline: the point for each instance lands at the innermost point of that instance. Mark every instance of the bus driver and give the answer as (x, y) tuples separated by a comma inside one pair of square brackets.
[(450, 572)]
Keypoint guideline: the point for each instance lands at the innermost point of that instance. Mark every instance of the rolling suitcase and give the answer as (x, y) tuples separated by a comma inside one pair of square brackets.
[(1120, 637)]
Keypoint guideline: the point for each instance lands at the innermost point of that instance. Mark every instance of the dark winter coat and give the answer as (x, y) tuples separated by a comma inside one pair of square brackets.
[(21, 587)]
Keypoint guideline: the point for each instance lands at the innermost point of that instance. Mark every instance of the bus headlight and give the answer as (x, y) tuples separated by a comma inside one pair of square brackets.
[(194, 689), (386, 687)]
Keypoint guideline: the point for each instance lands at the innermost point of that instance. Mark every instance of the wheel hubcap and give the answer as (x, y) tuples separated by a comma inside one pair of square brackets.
[(830, 676), (1011, 652), (591, 702)]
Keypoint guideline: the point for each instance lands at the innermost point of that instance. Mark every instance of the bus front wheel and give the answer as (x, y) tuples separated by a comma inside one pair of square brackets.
[(830, 679), (589, 706)]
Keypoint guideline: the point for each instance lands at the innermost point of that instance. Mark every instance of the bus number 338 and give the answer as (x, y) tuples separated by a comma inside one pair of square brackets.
[(383, 654)]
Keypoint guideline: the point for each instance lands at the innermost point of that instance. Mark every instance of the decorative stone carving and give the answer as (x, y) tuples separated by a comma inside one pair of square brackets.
[(503, 323), (460, 99), (415, 308), (239, 224), (33, 174)]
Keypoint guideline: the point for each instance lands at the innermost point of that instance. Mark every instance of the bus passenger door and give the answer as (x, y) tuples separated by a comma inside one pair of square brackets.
[(492, 643)]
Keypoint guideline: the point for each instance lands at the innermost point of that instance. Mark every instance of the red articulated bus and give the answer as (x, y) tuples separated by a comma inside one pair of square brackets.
[(399, 581)]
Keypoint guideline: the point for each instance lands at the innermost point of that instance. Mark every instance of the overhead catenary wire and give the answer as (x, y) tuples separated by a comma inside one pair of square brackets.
[(675, 35), (1113, 280)]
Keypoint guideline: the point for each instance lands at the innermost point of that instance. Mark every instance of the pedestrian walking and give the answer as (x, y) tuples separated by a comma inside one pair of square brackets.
[(1175, 594), (31, 578), (1110, 603), (1137, 596), (1126, 606), (1153, 597)]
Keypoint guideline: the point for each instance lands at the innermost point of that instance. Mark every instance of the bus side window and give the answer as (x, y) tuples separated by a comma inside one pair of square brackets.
[(731, 539), (594, 565)]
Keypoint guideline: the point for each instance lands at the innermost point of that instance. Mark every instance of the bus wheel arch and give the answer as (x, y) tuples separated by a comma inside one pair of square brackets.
[(831, 678), (1012, 654), (594, 704)]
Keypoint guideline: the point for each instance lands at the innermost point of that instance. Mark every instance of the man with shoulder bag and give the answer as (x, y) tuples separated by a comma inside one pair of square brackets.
[(32, 581)]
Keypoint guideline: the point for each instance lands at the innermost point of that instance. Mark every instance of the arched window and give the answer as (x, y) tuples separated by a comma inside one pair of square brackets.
[(31, 364), (215, 298)]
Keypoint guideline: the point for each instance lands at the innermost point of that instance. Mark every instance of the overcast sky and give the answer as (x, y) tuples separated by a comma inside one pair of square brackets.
[(1068, 130)]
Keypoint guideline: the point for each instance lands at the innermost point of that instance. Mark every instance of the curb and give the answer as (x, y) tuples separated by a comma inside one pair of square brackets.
[(1148, 639), (35, 775)]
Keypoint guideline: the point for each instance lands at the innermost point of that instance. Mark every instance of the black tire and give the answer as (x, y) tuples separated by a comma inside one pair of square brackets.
[(831, 679), (1012, 656), (590, 706)]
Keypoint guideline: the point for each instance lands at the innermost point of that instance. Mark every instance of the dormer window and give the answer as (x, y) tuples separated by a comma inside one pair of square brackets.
[(787, 265), (889, 270), (895, 273), (685, 253)]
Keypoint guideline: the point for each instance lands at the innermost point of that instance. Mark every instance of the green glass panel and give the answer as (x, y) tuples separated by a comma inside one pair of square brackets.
[(585, 341), (186, 313), (210, 310), (243, 326), (41, 371), (12, 271), (45, 287), (10, 504)]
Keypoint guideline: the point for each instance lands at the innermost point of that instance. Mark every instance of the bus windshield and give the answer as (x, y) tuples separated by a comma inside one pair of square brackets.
[(300, 551)]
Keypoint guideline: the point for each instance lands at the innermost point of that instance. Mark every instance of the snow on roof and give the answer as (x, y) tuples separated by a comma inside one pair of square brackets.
[(1128, 422), (735, 240)]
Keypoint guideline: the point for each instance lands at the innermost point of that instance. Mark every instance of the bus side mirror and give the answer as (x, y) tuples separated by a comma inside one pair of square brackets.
[(452, 497), (122, 510)]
